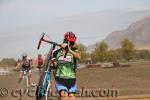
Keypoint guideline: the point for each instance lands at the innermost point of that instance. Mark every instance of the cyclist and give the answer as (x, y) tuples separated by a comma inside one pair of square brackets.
[(25, 65), (39, 63), (66, 67)]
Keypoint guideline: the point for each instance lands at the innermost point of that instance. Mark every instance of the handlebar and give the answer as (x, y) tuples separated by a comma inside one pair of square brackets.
[(39, 44), (42, 39)]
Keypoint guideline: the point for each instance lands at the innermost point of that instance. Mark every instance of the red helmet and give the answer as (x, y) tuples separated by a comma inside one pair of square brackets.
[(70, 36)]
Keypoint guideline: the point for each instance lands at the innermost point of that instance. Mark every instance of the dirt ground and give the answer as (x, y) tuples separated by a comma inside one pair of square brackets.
[(131, 83)]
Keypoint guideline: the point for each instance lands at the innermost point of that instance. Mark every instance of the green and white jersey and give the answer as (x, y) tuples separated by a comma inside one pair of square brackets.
[(65, 65)]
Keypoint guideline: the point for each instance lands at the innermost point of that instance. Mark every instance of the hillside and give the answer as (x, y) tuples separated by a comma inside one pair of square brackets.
[(138, 33)]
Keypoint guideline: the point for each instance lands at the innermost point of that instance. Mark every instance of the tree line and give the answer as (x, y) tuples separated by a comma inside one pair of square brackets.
[(102, 53), (127, 52), (7, 62)]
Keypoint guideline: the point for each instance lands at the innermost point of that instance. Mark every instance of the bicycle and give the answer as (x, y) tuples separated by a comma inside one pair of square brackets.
[(43, 88), (25, 82)]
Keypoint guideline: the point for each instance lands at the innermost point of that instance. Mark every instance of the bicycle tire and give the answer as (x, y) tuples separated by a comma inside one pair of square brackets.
[(25, 84)]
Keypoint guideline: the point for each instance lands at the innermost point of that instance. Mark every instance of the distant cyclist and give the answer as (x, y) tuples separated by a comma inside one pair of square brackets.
[(65, 75), (39, 63), (25, 65)]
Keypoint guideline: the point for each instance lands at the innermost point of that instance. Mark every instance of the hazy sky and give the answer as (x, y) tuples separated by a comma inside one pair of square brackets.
[(22, 21)]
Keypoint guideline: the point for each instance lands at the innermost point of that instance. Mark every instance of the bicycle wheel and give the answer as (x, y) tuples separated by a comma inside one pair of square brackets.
[(25, 85), (45, 96), (48, 92)]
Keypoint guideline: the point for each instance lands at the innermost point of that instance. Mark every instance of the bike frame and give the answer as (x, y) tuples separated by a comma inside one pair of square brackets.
[(25, 81), (45, 78)]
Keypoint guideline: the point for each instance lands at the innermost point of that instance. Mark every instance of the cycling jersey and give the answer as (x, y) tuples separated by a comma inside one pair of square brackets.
[(65, 65), (26, 63), (40, 61)]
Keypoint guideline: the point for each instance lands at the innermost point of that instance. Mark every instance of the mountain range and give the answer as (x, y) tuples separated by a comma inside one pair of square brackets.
[(138, 33)]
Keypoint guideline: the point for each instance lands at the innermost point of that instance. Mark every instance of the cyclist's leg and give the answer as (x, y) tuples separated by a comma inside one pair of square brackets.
[(63, 95), (72, 92), (40, 69), (72, 96), (72, 89), (30, 77), (62, 90)]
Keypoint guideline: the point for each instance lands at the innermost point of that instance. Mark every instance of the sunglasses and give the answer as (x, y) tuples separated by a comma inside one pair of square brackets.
[(65, 41)]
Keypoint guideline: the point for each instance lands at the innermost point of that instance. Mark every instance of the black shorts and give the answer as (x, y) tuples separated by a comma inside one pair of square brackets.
[(68, 85), (28, 69)]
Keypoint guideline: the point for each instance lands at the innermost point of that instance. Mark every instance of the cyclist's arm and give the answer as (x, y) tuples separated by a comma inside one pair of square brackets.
[(18, 65), (75, 54), (54, 60), (53, 63)]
